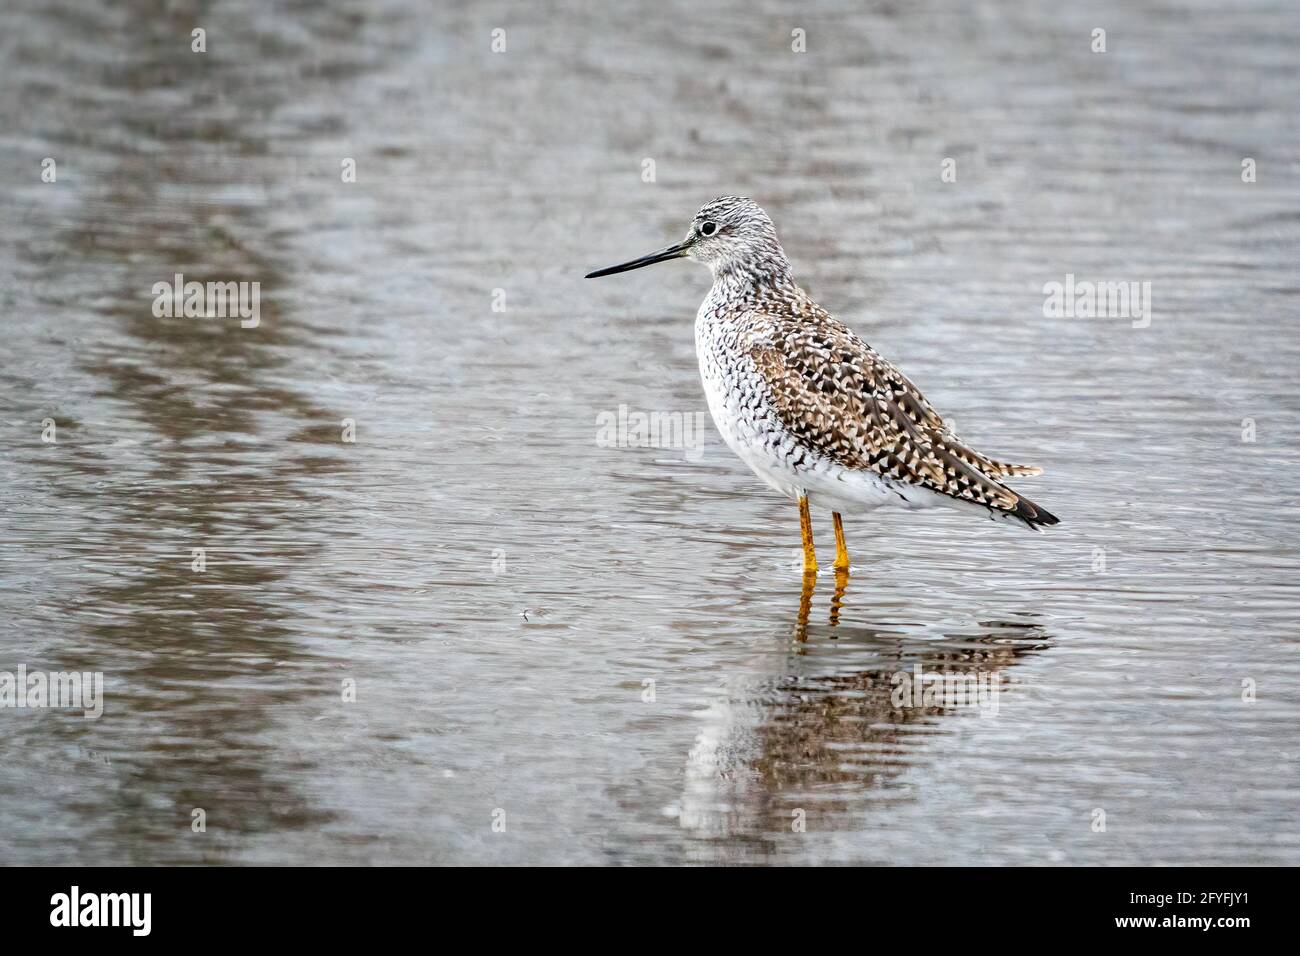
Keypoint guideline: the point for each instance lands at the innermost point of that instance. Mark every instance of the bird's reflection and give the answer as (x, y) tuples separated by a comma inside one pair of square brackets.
[(837, 599), (840, 718), (805, 605), (808, 588)]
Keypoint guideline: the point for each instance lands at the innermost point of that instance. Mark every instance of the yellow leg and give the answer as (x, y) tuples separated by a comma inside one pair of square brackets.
[(805, 529), (841, 549)]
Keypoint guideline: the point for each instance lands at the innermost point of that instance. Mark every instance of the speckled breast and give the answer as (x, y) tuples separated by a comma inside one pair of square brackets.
[(740, 403)]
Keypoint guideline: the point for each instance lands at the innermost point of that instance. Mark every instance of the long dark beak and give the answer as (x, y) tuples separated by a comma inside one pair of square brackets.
[(663, 255)]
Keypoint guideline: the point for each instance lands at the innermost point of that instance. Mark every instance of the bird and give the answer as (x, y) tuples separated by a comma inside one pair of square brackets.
[(808, 405)]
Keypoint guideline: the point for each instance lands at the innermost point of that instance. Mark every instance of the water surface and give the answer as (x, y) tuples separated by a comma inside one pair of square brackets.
[(602, 648)]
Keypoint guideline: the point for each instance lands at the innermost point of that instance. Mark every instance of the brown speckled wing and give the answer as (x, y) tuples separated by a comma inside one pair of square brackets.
[(837, 395)]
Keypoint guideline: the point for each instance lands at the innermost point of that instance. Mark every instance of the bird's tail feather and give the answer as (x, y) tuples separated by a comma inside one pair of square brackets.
[(1034, 516), (1004, 469)]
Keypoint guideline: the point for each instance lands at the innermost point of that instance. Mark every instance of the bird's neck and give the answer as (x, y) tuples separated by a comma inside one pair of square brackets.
[(761, 272)]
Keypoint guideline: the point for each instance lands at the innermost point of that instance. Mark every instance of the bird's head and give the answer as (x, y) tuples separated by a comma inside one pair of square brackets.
[(731, 234)]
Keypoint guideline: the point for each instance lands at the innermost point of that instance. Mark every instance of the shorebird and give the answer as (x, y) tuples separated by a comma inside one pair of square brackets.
[(810, 406)]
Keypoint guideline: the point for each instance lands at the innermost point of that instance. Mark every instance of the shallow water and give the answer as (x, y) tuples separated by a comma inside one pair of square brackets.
[(601, 647)]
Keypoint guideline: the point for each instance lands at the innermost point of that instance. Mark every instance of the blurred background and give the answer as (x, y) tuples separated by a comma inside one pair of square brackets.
[(567, 652)]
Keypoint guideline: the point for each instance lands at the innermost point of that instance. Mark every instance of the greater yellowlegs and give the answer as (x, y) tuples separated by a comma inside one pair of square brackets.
[(807, 404)]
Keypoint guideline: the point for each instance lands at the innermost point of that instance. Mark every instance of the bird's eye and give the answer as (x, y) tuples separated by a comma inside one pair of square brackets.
[(708, 228)]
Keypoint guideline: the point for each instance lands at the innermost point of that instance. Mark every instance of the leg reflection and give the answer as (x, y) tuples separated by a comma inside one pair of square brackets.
[(805, 605), (837, 599)]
